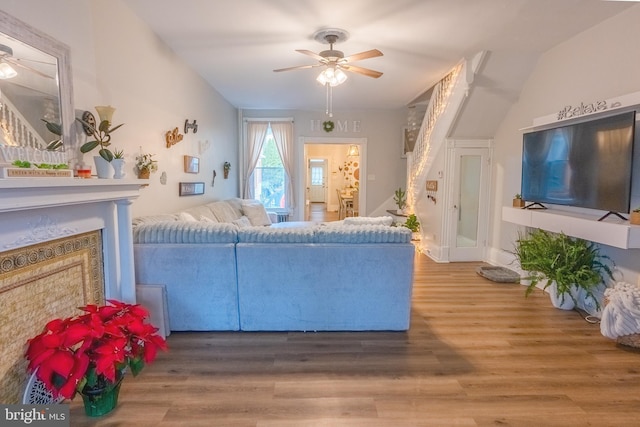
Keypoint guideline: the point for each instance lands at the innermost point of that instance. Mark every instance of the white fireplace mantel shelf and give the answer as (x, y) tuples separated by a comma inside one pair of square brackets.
[(36, 210), (34, 193)]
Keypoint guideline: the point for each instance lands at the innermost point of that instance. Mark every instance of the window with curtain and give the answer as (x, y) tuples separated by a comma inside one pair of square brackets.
[(268, 164), (269, 178)]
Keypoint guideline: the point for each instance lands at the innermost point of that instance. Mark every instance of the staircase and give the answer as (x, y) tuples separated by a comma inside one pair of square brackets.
[(445, 103)]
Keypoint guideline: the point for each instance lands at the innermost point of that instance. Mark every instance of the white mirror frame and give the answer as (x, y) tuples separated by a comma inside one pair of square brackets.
[(25, 33)]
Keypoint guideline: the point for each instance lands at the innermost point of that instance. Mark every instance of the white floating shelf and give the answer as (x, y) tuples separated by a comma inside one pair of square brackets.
[(612, 231)]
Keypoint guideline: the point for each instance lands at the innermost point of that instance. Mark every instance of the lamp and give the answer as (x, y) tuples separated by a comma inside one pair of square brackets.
[(7, 71), (105, 112), (353, 151)]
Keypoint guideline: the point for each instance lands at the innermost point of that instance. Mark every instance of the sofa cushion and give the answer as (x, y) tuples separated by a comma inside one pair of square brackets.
[(368, 220), (255, 211), (236, 205), (185, 232), (201, 211), (363, 234), (223, 211), (276, 235)]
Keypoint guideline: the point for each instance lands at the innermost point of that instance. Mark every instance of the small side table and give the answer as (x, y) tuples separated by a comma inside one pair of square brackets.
[(395, 213)]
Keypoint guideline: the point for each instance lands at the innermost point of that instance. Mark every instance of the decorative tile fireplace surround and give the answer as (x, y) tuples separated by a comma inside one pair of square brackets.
[(63, 243), (38, 210)]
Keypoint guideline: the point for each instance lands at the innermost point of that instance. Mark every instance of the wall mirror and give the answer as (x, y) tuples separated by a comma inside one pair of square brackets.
[(36, 86)]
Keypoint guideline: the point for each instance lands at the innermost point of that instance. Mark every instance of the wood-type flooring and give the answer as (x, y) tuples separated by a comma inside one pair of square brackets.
[(478, 353)]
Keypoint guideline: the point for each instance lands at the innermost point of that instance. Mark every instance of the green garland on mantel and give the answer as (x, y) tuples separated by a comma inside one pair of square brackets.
[(328, 126)]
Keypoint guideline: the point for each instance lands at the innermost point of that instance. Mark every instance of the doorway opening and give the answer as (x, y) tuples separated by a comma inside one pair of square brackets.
[(329, 167)]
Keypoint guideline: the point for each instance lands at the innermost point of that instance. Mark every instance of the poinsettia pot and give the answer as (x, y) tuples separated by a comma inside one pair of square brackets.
[(101, 399)]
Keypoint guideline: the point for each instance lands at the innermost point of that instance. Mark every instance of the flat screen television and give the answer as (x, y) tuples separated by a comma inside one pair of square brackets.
[(587, 164)]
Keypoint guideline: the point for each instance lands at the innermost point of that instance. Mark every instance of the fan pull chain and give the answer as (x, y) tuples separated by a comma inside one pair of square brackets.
[(329, 109)]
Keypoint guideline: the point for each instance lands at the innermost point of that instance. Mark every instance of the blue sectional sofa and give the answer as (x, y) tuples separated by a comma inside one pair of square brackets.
[(286, 277)]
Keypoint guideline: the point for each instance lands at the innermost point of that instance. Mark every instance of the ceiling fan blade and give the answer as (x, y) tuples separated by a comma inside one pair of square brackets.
[(299, 67), (311, 54), (364, 71), (26, 67), (363, 55)]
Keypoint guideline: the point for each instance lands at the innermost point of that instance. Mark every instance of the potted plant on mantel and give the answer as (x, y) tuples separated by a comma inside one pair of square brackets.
[(88, 354), (102, 138), (569, 266)]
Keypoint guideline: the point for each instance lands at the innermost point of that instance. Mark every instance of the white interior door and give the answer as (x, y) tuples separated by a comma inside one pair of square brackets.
[(469, 200), (317, 180)]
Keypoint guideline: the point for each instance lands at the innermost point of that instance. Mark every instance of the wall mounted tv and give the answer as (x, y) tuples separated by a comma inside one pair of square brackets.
[(586, 164)]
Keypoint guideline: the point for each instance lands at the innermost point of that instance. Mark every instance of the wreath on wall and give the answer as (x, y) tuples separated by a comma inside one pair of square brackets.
[(328, 126)]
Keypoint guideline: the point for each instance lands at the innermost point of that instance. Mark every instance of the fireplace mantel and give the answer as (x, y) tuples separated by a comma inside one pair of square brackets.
[(36, 210)]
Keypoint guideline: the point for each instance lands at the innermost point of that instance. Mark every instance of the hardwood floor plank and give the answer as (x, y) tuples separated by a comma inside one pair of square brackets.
[(477, 354)]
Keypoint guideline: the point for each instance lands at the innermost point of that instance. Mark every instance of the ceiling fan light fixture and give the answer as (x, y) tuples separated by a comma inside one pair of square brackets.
[(7, 71), (332, 76)]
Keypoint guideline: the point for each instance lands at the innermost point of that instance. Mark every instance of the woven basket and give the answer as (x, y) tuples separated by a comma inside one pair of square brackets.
[(632, 340)]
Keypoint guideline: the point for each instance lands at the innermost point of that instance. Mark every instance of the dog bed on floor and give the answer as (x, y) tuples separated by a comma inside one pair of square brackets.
[(498, 274)]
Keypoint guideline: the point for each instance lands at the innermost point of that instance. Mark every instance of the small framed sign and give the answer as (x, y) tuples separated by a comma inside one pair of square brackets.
[(191, 188), (191, 164)]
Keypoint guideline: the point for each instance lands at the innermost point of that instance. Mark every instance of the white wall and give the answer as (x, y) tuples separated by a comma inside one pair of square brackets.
[(598, 64), (117, 60)]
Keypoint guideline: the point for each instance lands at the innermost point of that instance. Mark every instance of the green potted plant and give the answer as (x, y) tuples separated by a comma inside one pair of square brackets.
[(400, 197), (145, 164), (226, 168), (101, 134), (412, 223), (87, 354), (517, 201), (118, 164), (569, 265), (634, 218)]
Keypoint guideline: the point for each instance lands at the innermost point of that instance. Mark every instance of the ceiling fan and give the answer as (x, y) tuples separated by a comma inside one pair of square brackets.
[(7, 60), (334, 61)]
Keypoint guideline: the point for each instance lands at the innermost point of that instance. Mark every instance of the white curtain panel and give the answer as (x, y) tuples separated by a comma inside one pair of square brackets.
[(256, 132)]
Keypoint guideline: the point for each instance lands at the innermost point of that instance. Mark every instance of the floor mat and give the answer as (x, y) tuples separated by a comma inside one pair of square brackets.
[(498, 274)]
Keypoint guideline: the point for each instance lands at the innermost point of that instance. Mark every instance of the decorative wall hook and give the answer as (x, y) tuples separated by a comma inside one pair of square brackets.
[(173, 137), (188, 126)]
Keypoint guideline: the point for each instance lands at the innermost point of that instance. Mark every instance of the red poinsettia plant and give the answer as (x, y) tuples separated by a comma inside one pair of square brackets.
[(93, 349)]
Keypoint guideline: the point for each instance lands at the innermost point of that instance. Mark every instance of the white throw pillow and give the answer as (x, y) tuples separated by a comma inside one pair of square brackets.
[(183, 216), (242, 222), (255, 211), (364, 220)]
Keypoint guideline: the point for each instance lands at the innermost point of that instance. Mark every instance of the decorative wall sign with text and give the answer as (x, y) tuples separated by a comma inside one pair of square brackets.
[(173, 137), (343, 126), (191, 188)]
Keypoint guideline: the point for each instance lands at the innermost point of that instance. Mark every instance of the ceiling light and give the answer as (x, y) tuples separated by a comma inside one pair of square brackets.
[(353, 151), (332, 76), (7, 71)]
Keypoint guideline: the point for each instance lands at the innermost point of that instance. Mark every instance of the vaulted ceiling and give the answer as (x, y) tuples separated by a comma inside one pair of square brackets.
[(236, 44)]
